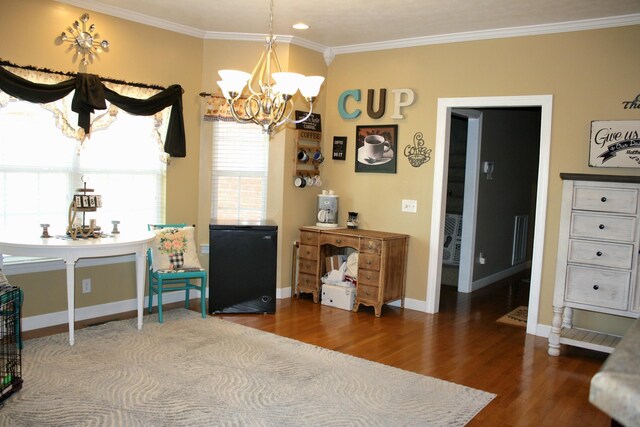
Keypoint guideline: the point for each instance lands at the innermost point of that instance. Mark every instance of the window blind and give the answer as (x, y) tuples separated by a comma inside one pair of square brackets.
[(239, 170)]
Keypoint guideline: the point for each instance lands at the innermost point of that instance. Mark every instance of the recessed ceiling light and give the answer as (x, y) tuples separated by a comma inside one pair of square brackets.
[(300, 26)]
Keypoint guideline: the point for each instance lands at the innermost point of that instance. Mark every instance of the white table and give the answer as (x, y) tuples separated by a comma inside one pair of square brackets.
[(71, 250)]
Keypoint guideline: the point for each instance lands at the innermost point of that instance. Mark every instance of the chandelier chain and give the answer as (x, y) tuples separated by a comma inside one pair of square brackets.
[(271, 19)]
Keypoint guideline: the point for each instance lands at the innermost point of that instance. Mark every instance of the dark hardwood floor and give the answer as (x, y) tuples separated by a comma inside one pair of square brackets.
[(463, 344)]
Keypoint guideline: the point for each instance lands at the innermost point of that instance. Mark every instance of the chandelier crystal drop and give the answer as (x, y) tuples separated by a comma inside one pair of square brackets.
[(269, 103)]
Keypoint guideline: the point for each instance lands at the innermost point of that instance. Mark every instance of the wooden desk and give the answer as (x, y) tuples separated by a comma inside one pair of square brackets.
[(71, 250), (382, 259)]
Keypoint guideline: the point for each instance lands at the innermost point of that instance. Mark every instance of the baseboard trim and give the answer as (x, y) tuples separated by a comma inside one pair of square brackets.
[(94, 311)]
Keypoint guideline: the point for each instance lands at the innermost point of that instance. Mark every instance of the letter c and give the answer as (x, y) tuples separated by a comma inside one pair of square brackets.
[(342, 101)]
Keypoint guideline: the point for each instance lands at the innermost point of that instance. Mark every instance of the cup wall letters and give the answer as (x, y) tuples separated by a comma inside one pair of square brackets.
[(399, 101)]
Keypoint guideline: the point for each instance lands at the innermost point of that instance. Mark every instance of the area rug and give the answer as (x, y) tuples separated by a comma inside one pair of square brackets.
[(517, 317), (191, 371)]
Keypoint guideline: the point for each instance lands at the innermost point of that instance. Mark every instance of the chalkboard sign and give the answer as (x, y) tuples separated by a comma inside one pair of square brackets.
[(339, 148), (312, 123)]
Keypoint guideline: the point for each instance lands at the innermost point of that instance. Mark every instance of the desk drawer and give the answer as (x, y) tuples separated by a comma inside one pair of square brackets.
[(617, 255), (308, 266), (603, 227), (308, 252), (339, 241), (368, 277), (598, 287), (368, 293), (309, 238), (373, 246), (307, 281), (616, 200), (369, 261)]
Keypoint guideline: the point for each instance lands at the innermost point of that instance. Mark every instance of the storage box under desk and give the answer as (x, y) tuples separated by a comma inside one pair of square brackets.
[(338, 296)]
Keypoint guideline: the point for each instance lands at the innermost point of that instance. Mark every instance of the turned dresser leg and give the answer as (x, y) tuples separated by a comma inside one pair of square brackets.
[(554, 335)]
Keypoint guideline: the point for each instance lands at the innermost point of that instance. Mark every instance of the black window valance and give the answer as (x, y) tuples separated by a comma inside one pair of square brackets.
[(90, 95)]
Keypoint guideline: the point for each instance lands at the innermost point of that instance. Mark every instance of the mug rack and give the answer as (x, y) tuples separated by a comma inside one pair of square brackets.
[(309, 143)]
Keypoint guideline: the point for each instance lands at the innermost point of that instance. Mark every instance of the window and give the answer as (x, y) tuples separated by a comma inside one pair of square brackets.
[(239, 165), (41, 169)]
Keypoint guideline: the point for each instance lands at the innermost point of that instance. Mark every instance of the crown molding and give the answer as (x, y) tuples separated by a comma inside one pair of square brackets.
[(531, 30), (140, 18), (329, 51)]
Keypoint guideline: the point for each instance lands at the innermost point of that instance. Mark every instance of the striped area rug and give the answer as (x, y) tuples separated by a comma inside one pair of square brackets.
[(191, 371)]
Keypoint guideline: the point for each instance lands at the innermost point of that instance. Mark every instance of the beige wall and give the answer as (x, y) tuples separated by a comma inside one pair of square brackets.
[(589, 74)]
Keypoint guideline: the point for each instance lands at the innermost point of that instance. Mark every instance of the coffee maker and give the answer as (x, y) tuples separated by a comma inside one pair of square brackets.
[(327, 209)]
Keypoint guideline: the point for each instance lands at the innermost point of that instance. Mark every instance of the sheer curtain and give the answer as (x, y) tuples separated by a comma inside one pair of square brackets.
[(41, 168)]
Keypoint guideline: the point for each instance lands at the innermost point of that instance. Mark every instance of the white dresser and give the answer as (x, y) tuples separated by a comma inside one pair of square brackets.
[(597, 266)]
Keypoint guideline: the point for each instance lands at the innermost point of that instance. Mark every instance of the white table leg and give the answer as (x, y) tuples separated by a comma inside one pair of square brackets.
[(71, 308), (140, 276)]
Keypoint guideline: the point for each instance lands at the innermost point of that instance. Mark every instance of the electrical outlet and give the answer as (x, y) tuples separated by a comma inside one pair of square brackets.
[(86, 286), (409, 205)]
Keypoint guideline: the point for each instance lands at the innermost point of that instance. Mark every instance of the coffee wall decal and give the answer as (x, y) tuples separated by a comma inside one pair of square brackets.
[(417, 153)]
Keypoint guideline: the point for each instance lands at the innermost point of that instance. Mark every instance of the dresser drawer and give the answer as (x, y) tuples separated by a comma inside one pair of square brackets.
[(307, 281), (309, 238), (367, 293), (368, 277), (617, 255), (615, 200), (603, 227), (308, 252), (373, 246), (338, 240), (598, 287), (307, 266), (369, 261)]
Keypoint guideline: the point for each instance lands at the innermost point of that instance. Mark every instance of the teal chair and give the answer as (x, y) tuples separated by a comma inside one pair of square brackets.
[(161, 281)]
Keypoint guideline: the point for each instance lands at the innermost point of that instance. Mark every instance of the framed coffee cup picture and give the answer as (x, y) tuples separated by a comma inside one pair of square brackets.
[(376, 148)]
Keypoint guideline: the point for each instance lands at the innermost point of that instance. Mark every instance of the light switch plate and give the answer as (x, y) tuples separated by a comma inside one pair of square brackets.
[(409, 205)]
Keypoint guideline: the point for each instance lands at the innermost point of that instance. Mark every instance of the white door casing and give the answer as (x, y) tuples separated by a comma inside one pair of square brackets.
[(441, 160)]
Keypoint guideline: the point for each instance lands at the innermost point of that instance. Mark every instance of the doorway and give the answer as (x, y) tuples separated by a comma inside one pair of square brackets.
[(441, 159)]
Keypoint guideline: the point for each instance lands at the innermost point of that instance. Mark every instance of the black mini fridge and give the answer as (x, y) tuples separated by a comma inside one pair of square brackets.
[(242, 266)]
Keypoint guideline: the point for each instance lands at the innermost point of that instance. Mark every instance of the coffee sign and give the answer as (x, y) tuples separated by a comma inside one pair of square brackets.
[(312, 123), (615, 144)]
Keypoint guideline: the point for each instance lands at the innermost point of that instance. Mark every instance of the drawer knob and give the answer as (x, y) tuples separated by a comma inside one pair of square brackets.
[(601, 226), (596, 287), (368, 262), (338, 240), (369, 276), (370, 245), (599, 253), (603, 199)]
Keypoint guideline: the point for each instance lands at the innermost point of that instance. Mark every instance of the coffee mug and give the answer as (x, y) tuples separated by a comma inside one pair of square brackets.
[(317, 181), (318, 157), (375, 146), (303, 156), (308, 180), (300, 182)]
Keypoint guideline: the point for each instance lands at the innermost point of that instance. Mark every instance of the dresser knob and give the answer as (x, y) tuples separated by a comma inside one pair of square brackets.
[(370, 245), (338, 240), (599, 253), (601, 226), (603, 199), (596, 287), (368, 262)]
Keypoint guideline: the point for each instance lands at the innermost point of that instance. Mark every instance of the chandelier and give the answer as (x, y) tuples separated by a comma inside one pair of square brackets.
[(270, 101)]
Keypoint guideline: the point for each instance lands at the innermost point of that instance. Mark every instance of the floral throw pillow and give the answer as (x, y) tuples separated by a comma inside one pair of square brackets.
[(175, 249)]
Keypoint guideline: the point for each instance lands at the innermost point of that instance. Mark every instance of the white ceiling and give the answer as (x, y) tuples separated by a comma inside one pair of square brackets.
[(356, 24)]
